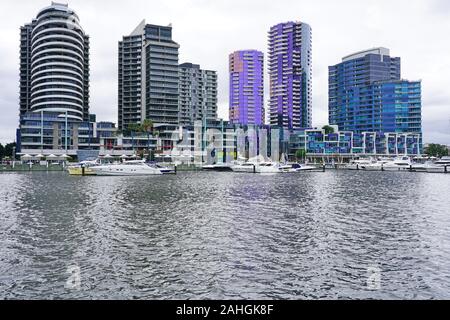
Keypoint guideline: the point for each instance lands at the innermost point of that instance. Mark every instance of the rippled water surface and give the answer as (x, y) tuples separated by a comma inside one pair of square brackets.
[(226, 236)]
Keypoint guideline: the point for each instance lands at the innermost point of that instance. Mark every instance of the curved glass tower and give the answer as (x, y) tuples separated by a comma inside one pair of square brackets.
[(55, 64)]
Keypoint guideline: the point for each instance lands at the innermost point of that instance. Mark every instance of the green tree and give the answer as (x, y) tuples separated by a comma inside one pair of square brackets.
[(9, 150), (436, 150), (328, 129), (147, 127), (134, 128), (300, 154)]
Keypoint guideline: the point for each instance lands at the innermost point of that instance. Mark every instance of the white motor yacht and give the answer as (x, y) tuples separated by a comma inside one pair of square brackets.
[(445, 161), (376, 166), (422, 167), (165, 170), (440, 166), (128, 168), (218, 167), (247, 167), (358, 164), (296, 167), (398, 164), (268, 168)]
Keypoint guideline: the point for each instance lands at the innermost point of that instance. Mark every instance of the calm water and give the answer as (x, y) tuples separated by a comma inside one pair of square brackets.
[(226, 236)]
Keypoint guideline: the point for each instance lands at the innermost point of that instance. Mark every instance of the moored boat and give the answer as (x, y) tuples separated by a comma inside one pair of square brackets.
[(128, 168), (166, 170), (81, 171), (83, 168), (218, 167), (398, 164), (440, 166), (246, 167), (296, 167), (358, 164), (268, 168)]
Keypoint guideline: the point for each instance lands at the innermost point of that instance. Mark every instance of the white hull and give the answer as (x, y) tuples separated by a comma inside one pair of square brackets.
[(243, 169), (268, 168), (296, 170), (357, 165), (395, 168), (126, 170), (419, 168), (123, 174), (371, 168), (436, 169)]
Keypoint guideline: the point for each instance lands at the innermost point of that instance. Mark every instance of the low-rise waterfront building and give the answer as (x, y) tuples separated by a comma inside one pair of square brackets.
[(215, 141), (341, 145), (50, 133)]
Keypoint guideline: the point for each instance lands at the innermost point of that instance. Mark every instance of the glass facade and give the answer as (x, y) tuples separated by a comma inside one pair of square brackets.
[(246, 87), (54, 64), (50, 133), (148, 76), (290, 71), (197, 94), (344, 143), (366, 94)]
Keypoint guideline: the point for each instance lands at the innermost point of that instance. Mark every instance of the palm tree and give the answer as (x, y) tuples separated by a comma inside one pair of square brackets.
[(147, 127), (133, 128), (328, 129)]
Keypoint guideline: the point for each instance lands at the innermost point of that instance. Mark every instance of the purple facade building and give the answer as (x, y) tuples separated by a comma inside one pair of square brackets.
[(247, 87), (290, 70)]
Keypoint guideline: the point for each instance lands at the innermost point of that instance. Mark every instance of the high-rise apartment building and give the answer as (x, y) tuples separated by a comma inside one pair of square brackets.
[(148, 76), (367, 94), (54, 64), (247, 87), (290, 70), (197, 94)]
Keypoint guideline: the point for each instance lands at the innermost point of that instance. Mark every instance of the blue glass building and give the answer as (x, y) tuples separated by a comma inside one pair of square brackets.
[(367, 94), (347, 144)]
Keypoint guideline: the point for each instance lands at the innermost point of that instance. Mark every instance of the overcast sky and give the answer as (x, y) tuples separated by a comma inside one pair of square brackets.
[(208, 30)]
